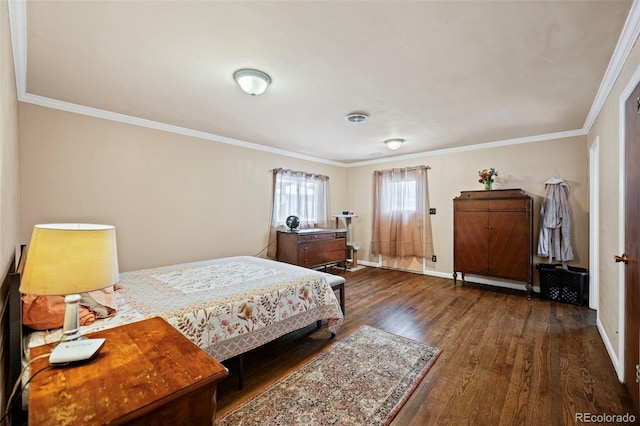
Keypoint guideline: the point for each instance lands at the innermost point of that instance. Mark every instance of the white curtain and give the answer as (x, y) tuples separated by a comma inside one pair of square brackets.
[(401, 223), (299, 194)]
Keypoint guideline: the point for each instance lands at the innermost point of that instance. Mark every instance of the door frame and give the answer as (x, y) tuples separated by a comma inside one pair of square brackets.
[(594, 223)]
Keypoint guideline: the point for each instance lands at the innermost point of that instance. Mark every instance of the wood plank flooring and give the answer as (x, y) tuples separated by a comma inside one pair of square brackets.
[(505, 361)]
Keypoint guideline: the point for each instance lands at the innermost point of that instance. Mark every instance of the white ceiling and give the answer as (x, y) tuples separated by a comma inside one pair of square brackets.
[(440, 74)]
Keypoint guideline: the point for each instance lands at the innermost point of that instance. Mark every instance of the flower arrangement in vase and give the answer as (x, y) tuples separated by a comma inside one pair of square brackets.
[(487, 177)]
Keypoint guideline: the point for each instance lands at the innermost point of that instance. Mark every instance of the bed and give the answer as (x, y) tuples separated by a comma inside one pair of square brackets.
[(227, 306)]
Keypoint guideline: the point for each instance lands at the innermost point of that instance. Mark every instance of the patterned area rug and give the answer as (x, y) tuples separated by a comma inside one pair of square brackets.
[(362, 380)]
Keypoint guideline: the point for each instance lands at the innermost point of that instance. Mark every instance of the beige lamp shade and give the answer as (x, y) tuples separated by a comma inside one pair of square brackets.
[(69, 258)]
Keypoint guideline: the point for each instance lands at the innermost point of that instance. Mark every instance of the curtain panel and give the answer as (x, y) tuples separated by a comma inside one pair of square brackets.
[(401, 222), (299, 194)]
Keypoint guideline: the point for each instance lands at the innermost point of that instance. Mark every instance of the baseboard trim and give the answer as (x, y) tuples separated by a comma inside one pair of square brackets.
[(612, 354), (514, 285)]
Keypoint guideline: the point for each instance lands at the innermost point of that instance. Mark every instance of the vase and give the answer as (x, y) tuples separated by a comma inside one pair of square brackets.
[(487, 184)]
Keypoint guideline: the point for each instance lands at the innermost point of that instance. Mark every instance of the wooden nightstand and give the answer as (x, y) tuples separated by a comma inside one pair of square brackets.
[(146, 373)]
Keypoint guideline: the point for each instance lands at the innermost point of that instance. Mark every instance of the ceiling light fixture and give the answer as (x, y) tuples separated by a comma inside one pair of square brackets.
[(394, 143), (253, 82)]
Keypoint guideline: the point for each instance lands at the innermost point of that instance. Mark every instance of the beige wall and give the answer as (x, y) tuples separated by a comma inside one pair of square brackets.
[(172, 198), (9, 206), (606, 130), (525, 166)]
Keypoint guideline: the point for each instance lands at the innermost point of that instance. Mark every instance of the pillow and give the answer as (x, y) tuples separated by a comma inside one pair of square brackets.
[(47, 312), (100, 301)]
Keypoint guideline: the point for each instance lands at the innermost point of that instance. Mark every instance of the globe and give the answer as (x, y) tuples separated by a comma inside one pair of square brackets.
[(293, 222)]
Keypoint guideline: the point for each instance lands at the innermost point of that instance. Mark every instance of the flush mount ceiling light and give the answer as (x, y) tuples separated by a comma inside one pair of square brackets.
[(253, 82), (394, 143), (356, 117)]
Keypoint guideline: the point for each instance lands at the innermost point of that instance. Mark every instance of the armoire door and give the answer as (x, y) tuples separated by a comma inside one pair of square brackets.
[(510, 245), (470, 240)]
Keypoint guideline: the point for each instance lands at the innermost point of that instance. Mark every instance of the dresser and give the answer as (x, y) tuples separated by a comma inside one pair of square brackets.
[(312, 247), (493, 235), (147, 373)]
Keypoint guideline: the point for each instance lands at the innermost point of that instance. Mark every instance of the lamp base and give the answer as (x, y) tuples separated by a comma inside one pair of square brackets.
[(71, 326)]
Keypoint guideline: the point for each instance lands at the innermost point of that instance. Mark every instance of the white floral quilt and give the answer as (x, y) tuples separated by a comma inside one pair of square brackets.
[(226, 306)]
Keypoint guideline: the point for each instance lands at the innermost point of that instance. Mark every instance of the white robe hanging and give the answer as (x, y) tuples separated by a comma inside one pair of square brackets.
[(554, 241)]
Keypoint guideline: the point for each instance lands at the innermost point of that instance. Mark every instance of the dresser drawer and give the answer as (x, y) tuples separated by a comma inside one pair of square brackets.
[(322, 236), (320, 246), (321, 258)]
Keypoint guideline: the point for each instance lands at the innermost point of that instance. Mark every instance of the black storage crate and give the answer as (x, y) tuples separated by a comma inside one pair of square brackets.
[(564, 285)]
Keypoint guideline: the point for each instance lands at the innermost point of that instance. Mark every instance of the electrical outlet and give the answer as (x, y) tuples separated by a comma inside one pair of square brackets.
[(432, 211), (434, 258)]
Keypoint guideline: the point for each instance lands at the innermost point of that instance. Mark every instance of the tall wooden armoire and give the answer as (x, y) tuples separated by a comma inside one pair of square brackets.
[(493, 235)]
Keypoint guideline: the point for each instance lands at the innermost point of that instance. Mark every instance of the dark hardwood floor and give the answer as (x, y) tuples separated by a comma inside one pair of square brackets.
[(505, 361)]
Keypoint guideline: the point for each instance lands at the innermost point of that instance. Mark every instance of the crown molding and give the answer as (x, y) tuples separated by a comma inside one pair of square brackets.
[(122, 118), (506, 142), (135, 121), (627, 39), (18, 26)]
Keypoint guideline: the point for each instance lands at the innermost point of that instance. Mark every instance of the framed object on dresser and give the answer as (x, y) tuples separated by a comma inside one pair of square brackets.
[(493, 235)]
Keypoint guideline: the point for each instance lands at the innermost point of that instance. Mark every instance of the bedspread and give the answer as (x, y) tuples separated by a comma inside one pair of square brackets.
[(231, 305), (226, 306)]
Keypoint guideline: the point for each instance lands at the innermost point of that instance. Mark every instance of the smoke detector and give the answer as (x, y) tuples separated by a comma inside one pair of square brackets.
[(356, 117)]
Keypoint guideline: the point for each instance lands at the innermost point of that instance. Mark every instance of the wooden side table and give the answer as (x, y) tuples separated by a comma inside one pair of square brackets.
[(146, 373)]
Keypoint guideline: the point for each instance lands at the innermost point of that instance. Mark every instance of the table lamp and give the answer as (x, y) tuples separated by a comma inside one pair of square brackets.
[(65, 259)]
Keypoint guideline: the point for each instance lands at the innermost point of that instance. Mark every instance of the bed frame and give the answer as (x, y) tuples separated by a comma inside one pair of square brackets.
[(11, 320)]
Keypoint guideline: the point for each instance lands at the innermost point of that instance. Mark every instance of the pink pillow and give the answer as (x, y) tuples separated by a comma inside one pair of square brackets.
[(47, 312)]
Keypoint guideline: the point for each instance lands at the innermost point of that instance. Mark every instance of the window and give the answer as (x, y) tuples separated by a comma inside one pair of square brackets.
[(401, 225), (400, 197), (300, 194)]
